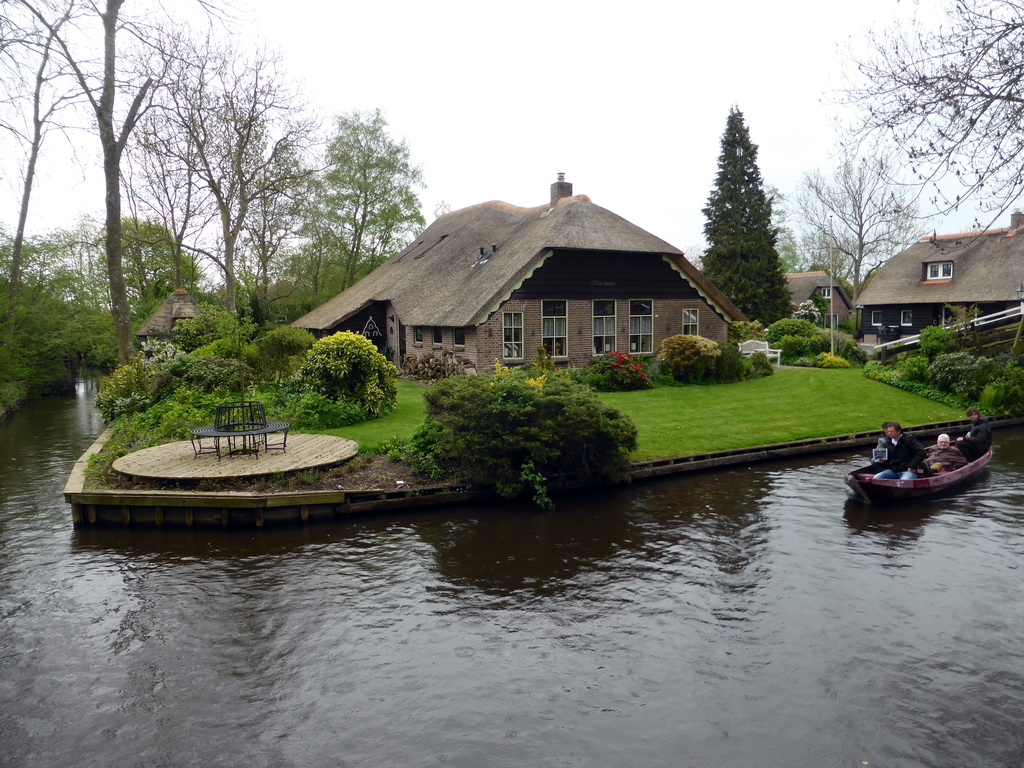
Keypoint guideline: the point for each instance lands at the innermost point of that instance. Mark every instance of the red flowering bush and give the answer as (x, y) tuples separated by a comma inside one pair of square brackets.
[(616, 372)]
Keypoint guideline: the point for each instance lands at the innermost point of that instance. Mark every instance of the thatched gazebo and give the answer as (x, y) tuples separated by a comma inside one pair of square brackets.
[(178, 306)]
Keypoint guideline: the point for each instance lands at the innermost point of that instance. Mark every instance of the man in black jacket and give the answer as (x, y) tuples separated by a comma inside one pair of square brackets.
[(905, 454), (974, 444)]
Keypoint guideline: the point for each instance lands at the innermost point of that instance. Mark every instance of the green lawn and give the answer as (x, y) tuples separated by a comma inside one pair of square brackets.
[(795, 403)]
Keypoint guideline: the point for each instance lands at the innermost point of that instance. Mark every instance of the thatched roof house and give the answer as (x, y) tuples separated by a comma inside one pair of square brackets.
[(804, 286), (495, 281), (911, 290), (178, 306)]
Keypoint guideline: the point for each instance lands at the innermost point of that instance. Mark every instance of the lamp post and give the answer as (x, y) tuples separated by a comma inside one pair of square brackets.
[(1020, 326), (832, 289)]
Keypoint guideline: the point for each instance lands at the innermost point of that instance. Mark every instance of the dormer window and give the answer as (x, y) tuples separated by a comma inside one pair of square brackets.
[(940, 270)]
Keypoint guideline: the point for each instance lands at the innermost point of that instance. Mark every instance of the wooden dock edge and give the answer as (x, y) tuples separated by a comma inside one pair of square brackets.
[(230, 509)]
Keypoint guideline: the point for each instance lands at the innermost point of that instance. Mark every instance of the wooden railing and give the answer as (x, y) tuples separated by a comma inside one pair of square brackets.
[(980, 322)]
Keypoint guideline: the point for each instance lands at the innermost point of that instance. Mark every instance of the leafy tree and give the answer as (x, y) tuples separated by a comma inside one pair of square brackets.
[(235, 128), (950, 98), (741, 258), (368, 208), (30, 77), (101, 88), (856, 219), (151, 268)]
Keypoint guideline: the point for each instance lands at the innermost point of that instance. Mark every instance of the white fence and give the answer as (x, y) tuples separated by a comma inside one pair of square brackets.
[(998, 317)]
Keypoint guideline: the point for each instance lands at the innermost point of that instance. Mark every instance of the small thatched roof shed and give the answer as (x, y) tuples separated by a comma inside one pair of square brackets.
[(178, 306)]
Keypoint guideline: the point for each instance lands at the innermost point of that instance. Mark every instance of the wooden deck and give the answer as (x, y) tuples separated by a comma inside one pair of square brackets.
[(177, 461)]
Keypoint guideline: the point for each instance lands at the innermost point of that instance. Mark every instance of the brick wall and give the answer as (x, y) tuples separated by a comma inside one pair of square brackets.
[(484, 344)]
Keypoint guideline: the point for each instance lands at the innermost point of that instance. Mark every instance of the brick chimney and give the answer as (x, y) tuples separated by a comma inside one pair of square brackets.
[(563, 188), (1016, 218)]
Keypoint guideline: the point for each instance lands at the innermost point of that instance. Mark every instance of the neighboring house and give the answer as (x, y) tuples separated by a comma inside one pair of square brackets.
[(496, 282), (804, 286), (911, 290), (178, 306)]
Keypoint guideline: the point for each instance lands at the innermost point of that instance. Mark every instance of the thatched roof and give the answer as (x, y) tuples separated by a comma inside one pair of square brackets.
[(442, 280), (804, 285), (987, 267), (179, 305)]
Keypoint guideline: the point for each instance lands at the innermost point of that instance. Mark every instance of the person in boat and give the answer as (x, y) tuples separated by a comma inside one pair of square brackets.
[(884, 444), (975, 443), (905, 454), (942, 456)]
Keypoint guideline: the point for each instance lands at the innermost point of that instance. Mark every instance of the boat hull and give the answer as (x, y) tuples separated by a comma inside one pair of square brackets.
[(862, 484)]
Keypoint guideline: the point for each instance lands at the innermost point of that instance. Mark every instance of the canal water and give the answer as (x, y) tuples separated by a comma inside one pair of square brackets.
[(748, 617)]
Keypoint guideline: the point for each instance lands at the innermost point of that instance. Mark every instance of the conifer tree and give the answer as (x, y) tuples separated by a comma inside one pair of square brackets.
[(742, 259)]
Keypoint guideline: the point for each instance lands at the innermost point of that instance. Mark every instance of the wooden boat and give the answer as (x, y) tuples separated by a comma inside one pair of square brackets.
[(863, 485)]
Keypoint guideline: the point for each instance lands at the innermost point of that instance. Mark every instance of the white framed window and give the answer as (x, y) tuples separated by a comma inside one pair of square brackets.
[(826, 292), (554, 327), (417, 334), (876, 317), (641, 326), (604, 326), (691, 322), (907, 317), (437, 336), (940, 270), (459, 335), (512, 334)]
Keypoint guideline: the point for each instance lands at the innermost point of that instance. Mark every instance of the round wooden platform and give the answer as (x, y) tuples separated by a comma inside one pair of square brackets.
[(177, 461)]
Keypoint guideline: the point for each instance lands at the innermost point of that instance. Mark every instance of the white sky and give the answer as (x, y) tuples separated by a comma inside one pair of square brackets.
[(628, 99)]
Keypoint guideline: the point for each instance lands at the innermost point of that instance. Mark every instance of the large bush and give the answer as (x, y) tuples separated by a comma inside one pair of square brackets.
[(346, 367), (282, 350), (515, 432), (731, 365), (616, 372), (936, 341), (960, 373), (687, 358), (126, 390), (789, 326), (745, 330), (212, 324)]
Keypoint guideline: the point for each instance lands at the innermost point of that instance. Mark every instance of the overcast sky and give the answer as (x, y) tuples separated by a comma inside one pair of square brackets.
[(628, 99)]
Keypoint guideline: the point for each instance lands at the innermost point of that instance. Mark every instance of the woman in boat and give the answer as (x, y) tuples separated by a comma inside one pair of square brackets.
[(974, 444), (905, 454), (942, 456)]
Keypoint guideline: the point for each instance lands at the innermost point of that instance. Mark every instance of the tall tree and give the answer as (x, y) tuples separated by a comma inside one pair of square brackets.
[(236, 127), (101, 87), (37, 88), (741, 259), (856, 219), (370, 200), (951, 98)]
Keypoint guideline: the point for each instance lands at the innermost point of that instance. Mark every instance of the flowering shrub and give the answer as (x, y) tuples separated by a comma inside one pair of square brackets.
[(687, 358), (346, 367), (825, 360), (616, 372)]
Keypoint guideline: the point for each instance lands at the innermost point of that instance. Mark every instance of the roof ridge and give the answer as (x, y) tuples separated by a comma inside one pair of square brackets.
[(517, 210), (972, 233)]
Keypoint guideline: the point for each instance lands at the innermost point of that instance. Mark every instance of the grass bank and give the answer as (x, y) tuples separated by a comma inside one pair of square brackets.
[(793, 404)]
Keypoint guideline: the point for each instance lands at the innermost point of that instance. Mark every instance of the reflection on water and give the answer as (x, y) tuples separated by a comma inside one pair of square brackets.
[(746, 617)]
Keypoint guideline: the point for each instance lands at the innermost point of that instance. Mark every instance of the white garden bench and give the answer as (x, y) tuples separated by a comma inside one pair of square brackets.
[(749, 347)]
